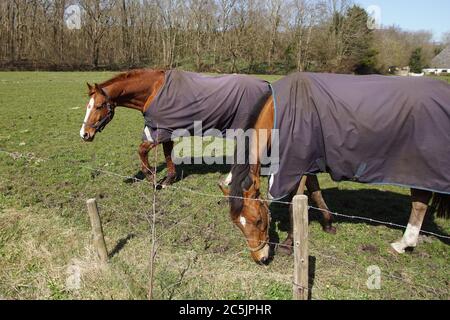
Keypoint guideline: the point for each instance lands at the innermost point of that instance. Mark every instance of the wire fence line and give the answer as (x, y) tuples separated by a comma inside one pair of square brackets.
[(153, 184), (353, 217), (183, 221)]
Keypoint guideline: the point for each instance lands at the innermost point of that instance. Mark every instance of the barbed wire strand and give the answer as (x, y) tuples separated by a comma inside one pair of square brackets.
[(279, 202), (261, 200)]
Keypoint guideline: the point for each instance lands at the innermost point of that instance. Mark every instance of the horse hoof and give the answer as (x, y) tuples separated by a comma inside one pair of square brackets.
[(169, 180), (285, 250), (138, 177), (398, 247), (330, 230), (160, 187)]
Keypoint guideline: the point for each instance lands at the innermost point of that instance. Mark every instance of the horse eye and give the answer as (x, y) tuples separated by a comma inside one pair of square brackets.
[(259, 222)]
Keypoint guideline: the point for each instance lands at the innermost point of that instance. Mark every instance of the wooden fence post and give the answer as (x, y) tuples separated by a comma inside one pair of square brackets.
[(97, 230), (301, 252)]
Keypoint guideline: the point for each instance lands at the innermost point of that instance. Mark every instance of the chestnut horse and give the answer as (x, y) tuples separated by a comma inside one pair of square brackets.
[(135, 90), (251, 213)]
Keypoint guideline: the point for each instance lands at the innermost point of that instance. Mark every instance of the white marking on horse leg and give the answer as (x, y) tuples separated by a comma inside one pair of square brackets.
[(409, 240), (228, 179), (148, 134), (89, 108), (411, 236), (243, 221)]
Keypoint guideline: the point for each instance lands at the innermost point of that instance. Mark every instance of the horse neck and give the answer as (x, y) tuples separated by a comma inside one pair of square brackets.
[(263, 130), (136, 92)]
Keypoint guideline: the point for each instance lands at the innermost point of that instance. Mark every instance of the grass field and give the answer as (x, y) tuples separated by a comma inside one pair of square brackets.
[(444, 78), (45, 247)]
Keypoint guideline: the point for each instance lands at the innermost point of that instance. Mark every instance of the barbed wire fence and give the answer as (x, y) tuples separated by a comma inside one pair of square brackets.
[(190, 256)]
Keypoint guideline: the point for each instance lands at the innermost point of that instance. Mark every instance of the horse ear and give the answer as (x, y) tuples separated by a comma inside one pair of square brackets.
[(225, 189), (90, 88), (99, 90)]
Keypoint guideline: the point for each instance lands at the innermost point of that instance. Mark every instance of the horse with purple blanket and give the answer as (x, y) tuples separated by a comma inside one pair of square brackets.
[(366, 129)]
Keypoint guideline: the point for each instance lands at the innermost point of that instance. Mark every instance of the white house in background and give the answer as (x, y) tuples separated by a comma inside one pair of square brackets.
[(440, 64)]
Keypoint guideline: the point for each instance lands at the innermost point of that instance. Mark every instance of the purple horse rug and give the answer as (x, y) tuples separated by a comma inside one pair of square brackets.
[(220, 103), (368, 129)]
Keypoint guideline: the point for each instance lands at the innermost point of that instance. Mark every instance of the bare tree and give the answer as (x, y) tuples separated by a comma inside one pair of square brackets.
[(275, 36), (304, 17), (98, 20), (274, 9), (446, 38)]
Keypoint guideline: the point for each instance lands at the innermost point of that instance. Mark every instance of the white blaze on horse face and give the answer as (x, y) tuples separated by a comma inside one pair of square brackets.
[(89, 108), (243, 221)]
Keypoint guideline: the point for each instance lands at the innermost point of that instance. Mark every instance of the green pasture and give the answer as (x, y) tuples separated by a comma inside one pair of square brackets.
[(47, 174)]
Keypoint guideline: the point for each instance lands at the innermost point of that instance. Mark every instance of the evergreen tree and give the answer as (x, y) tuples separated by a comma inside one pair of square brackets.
[(362, 55), (416, 61)]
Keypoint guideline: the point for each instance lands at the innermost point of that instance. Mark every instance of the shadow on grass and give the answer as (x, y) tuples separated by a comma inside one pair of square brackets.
[(120, 245), (197, 167), (367, 203), (190, 166)]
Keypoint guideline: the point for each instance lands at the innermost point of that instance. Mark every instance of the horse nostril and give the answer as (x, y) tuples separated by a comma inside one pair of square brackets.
[(263, 260), (86, 136)]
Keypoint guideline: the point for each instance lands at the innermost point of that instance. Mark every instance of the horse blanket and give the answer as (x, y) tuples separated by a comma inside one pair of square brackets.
[(220, 103), (368, 129)]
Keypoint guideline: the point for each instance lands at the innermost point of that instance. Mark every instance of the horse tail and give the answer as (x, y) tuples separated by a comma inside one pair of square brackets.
[(441, 203)]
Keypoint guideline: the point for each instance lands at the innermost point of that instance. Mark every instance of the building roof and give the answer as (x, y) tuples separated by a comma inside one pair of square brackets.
[(442, 60)]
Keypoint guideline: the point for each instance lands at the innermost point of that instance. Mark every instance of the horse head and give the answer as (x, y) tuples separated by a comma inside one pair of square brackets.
[(99, 112), (249, 212)]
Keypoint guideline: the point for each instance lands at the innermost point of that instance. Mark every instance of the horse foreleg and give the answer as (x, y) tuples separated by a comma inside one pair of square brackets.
[(420, 200), (171, 170), (313, 186), (144, 149), (286, 247)]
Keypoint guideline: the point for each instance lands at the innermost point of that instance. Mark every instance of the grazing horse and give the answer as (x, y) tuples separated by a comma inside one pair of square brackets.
[(373, 129)]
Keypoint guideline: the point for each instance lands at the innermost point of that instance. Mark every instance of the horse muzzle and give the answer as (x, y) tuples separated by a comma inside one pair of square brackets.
[(261, 256), (87, 137)]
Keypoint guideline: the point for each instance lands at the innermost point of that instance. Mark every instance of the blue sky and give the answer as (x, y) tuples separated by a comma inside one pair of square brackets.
[(433, 15)]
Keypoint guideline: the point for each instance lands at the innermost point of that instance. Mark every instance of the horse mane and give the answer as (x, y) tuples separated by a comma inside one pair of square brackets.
[(241, 179), (127, 75)]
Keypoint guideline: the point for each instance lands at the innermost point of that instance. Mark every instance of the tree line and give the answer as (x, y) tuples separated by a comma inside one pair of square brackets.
[(226, 36)]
